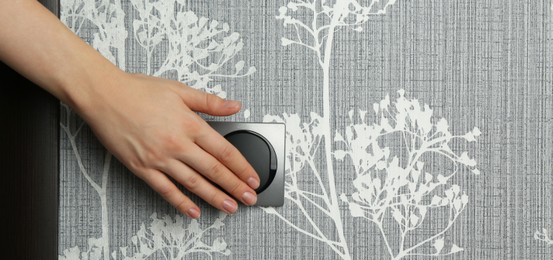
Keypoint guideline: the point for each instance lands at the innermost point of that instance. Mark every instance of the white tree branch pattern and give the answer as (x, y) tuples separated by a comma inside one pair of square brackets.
[(162, 238), (102, 243), (107, 20), (388, 187), (316, 33), (198, 51), (544, 237), (168, 239), (388, 183), (384, 184)]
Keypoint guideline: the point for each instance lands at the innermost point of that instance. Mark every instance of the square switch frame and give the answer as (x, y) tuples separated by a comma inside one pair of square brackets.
[(275, 134)]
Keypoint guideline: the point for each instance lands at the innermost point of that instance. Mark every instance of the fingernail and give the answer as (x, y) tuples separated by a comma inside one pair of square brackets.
[(232, 104), (249, 198), (253, 182), (193, 213), (230, 206)]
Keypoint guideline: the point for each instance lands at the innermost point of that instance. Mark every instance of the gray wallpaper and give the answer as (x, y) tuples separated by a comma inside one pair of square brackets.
[(416, 129)]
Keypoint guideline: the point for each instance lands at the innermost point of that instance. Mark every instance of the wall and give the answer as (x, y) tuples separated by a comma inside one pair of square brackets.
[(414, 128)]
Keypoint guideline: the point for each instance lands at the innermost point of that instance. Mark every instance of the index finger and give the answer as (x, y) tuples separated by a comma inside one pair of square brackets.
[(215, 144)]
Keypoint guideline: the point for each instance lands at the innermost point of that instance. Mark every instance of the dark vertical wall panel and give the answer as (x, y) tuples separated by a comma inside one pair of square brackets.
[(29, 165)]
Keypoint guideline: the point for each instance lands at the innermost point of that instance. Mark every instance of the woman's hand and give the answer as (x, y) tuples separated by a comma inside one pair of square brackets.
[(147, 123), (150, 125)]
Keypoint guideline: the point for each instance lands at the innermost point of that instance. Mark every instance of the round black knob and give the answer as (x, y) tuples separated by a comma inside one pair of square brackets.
[(258, 152)]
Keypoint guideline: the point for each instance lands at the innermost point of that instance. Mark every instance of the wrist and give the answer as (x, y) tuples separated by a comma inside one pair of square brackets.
[(88, 89)]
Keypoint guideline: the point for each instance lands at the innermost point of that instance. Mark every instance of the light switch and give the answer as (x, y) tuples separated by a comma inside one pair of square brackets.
[(263, 145)]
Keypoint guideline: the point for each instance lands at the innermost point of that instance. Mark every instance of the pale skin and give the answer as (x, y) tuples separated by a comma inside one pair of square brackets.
[(149, 124)]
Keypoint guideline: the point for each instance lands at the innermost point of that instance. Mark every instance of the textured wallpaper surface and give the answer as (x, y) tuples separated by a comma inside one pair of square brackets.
[(416, 129)]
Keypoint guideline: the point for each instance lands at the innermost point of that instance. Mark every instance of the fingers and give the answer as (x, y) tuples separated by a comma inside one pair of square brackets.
[(195, 183), (201, 101), (167, 189), (216, 145), (218, 173)]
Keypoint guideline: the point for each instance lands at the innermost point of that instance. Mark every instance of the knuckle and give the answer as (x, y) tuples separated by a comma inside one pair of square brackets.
[(235, 188), (172, 143), (155, 159), (179, 85), (212, 102), (214, 199), (215, 171), (191, 182), (247, 171), (165, 191), (192, 125), (148, 158), (226, 153), (135, 164), (181, 205)]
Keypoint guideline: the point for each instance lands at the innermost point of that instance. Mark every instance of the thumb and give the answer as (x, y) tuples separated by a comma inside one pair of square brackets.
[(201, 101)]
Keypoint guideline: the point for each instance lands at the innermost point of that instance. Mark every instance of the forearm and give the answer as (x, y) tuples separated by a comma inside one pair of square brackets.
[(36, 44)]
